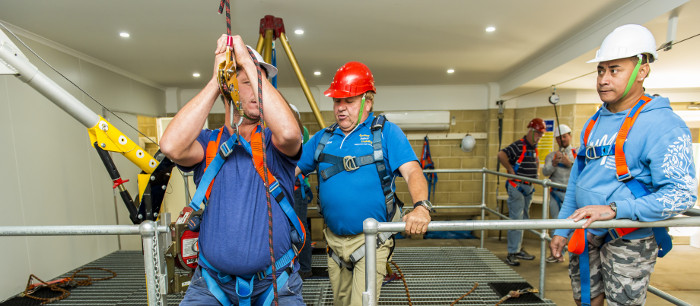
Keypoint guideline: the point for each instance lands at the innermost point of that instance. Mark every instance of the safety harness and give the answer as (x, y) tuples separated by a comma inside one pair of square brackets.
[(216, 155), (426, 162), (352, 163), (512, 182), (578, 243)]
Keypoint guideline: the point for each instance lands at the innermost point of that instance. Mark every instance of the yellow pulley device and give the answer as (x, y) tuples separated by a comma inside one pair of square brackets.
[(228, 83)]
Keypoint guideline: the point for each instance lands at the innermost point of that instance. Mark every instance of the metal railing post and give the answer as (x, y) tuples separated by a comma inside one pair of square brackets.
[(369, 297), (543, 237), (150, 251), (483, 202)]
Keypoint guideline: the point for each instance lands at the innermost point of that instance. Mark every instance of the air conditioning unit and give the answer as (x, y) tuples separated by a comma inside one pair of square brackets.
[(420, 120)]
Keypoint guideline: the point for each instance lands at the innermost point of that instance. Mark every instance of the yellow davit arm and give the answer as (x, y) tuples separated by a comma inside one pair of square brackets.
[(103, 135), (109, 138)]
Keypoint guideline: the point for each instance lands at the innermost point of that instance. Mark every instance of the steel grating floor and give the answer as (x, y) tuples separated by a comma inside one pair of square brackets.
[(435, 276)]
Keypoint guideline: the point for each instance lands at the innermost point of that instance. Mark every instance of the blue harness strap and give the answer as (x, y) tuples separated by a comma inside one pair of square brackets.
[(351, 163), (556, 198), (426, 162), (517, 185), (585, 270), (213, 168), (244, 284)]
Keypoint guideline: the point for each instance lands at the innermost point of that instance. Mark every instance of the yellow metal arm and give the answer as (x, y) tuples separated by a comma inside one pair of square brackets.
[(109, 138)]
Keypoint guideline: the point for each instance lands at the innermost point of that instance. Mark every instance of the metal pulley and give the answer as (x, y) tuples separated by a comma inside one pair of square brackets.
[(228, 83)]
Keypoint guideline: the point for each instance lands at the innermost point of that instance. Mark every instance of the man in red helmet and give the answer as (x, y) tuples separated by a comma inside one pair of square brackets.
[(356, 160), (520, 158)]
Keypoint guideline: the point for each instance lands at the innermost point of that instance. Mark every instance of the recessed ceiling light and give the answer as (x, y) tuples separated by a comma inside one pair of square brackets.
[(450, 71), (317, 72), (490, 29), (298, 31), (124, 34), (196, 74)]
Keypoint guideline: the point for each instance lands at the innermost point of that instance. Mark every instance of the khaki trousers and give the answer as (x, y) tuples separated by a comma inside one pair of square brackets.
[(348, 285)]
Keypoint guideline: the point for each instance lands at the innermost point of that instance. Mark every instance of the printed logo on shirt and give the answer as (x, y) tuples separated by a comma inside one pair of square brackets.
[(364, 140), (606, 161)]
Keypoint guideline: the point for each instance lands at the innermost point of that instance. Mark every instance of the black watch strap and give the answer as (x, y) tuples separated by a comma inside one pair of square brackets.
[(424, 203)]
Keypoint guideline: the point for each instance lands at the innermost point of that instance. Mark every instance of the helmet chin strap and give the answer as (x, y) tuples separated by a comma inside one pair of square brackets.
[(362, 107), (633, 77)]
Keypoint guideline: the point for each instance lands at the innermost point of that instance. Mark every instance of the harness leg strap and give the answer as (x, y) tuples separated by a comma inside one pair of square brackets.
[(269, 296), (585, 275), (215, 289), (244, 289)]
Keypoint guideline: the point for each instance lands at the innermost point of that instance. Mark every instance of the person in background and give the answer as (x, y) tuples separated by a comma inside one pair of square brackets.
[(520, 158), (557, 166), (302, 197)]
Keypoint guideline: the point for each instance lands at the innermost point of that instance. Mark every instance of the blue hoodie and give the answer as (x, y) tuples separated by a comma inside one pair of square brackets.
[(659, 153)]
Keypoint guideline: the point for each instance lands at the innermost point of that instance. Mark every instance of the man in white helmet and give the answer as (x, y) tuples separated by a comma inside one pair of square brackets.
[(635, 163), (240, 252), (557, 166)]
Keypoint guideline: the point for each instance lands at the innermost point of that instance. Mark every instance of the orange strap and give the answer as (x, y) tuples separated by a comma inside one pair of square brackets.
[(212, 149), (522, 154), (257, 152), (256, 147), (620, 161), (577, 243)]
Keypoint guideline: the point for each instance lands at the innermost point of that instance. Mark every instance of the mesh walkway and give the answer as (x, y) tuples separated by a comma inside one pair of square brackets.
[(435, 276)]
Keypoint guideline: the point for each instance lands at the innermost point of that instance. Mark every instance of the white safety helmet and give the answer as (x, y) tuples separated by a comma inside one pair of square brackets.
[(295, 110), (271, 70), (562, 129), (626, 41), (468, 143)]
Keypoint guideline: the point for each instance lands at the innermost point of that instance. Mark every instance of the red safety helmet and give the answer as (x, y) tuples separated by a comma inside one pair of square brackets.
[(537, 124), (352, 79)]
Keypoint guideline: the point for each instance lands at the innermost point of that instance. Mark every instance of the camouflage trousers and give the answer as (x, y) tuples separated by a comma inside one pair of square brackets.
[(620, 268)]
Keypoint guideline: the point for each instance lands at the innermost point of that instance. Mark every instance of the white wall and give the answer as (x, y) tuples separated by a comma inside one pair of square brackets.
[(51, 173)]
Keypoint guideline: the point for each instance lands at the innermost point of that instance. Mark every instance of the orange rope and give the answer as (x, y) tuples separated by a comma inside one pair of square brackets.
[(468, 293), (516, 294), (405, 285), (64, 282)]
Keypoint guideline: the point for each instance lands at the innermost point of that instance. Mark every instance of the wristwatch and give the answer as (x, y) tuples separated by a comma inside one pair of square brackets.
[(426, 204), (613, 206)]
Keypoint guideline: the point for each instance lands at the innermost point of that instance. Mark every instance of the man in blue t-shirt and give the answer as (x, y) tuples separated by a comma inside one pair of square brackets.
[(350, 187), (234, 232)]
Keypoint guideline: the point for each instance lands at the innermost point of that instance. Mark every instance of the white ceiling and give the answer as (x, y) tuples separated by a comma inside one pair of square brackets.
[(537, 43)]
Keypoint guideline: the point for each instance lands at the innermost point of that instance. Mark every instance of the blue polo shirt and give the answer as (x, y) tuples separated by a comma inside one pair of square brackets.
[(233, 236), (348, 198)]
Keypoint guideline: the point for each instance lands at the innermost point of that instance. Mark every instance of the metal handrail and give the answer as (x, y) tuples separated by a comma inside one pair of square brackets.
[(372, 227), (156, 282), (69, 230)]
